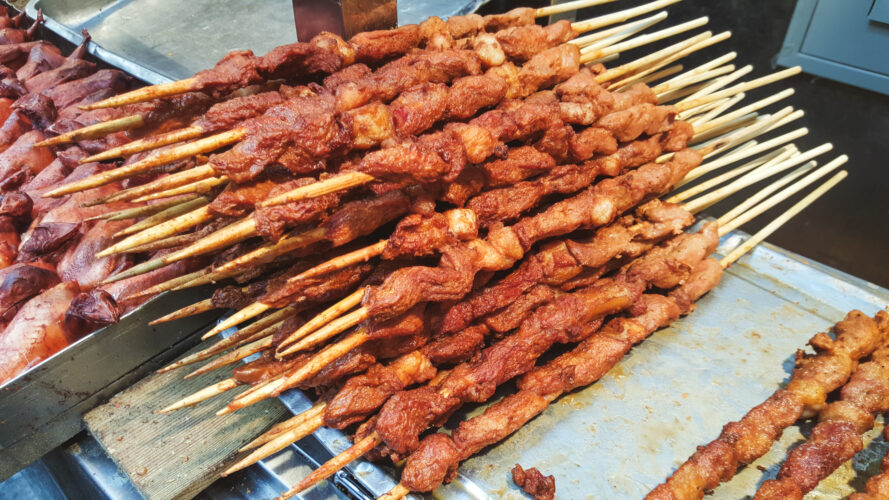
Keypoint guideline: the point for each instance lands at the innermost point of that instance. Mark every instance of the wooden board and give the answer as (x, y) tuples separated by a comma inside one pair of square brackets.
[(179, 454)]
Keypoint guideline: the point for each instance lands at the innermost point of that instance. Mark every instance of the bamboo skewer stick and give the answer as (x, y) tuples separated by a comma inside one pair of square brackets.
[(262, 254), (611, 36), (327, 332), (314, 365), (763, 193), (316, 410), (773, 226), (756, 106), (597, 36), (719, 83), (199, 187), (94, 131), (147, 94), (249, 312), (334, 311), (190, 310), (740, 155), (187, 150), (149, 143), (257, 329), (202, 395), (167, 285), (142, 211), (568, 7), (692, 75), (712, 197), (179, 210), (639, 41), (168, 242), (233, 233), (717, 111), (620, 17), (766, 161), (342, 261), (653, 77), (167, 182), (663, 57), (234, 356), (743, 87), (785, 193), (336, 463), (667, 92), (162, 230), (278, 441)]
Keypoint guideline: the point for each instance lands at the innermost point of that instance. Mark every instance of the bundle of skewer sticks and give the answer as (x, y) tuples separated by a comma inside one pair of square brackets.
[(470, 140)]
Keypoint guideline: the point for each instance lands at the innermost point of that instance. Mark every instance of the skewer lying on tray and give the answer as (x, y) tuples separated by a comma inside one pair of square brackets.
[(814, 377)]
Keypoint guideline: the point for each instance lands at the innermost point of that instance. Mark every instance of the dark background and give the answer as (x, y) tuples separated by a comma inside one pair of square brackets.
[(849, 227)]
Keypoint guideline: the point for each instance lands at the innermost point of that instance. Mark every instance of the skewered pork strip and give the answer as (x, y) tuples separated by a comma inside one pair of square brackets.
[(814, 377), (837, 437)]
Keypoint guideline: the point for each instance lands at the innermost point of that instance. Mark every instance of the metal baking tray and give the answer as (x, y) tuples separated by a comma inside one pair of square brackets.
[(42, 407), (162, 40)]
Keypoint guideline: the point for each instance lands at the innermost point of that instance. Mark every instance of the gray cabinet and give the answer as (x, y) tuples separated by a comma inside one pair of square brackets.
[(844, 40)]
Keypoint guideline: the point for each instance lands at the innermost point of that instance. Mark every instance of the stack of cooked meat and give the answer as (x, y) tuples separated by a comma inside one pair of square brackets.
[(504, 191), (50, 293)]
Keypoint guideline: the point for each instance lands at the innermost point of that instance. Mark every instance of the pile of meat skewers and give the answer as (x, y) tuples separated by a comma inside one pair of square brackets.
[(51, 293), (490, 188)]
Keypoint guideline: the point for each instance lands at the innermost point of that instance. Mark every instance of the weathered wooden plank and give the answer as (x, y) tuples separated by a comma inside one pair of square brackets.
[(179, 454)]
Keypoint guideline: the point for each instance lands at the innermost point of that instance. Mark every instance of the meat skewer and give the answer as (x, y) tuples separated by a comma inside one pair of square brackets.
[(814, 377), (401, 436), (296, 60), (836, 438), (221, 274), (244, 162)]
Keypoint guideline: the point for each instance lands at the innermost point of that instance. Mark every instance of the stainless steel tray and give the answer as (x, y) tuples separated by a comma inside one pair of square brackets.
[(622, 436), (42, 407), (163, 40)]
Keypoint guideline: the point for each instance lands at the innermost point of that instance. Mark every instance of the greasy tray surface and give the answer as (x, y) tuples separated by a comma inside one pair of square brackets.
[(163, 40), (622, 436)]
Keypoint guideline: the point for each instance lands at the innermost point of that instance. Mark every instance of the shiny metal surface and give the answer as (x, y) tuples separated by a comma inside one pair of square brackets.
[(163, 40), (42, 407)]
